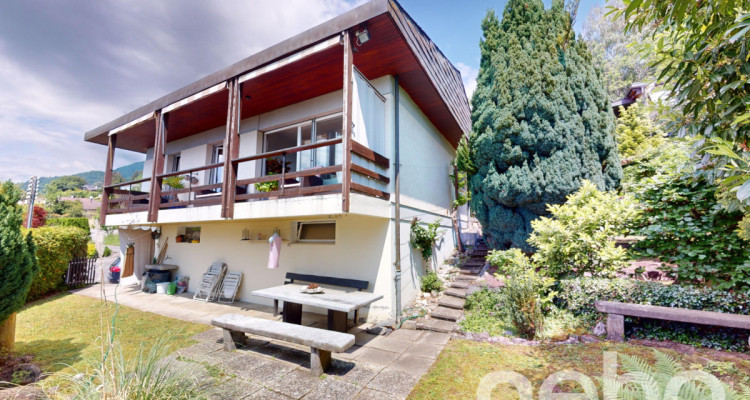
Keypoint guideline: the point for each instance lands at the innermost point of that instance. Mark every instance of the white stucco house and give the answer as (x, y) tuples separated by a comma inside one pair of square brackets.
[(364, 111)]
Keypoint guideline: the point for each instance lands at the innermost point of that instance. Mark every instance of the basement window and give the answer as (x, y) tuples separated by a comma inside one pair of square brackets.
[(316, 232)]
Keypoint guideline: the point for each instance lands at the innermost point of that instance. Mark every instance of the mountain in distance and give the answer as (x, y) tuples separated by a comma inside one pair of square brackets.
[(93, 177)]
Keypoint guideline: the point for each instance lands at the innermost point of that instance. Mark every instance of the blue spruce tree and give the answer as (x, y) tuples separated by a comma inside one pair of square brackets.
[(541, 121)]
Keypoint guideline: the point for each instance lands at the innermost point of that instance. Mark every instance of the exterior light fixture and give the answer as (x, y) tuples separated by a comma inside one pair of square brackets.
[(363, 37)]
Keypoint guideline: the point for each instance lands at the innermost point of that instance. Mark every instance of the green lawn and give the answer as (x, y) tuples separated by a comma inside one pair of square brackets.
[(63, 331), (112, 239), (460, 367)]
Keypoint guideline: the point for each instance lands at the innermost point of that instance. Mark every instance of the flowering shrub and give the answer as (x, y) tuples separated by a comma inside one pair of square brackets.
[(56, 246)]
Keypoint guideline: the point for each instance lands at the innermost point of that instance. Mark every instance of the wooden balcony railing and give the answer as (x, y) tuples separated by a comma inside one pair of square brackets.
[(289, 184)]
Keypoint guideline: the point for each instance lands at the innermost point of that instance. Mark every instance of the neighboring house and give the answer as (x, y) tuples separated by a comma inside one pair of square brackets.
[(92, 188), (357, 109), (89, 204), (640, 92)]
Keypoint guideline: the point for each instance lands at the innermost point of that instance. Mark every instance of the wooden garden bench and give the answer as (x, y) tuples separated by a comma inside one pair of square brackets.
[(617, 311), (322, 342)]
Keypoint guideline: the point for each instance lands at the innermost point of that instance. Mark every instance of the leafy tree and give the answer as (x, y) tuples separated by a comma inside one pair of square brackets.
[(621, 63), (39, 218), (702, 50), (65, 183), (636, 133), (65, 208), (541, 122), (17, 262)]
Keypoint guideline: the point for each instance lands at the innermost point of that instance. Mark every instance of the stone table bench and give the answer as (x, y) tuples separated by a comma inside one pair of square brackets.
[(321, 342), (617, 311)]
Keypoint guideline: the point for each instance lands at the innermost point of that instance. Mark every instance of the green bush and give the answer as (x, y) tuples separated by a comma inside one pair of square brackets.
[(636, 133), (430, 282), (107, 252), (91, 250), (685, 226), (424, 238), (579, 294), (56, 246), (514, 263), (484, 313), (579, 237), (82, 223), (521, 305)]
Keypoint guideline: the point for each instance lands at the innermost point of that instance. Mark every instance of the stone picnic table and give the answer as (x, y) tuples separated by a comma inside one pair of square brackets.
[(338, 302)]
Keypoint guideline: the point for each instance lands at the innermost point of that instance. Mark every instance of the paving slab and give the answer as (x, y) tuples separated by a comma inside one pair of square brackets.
[(407, 334), (359, 373), (232, 389), (412, 363), (265, 394), (435, 338), (426, 350), (331, 388), (390, 343), (369, 394), (294, 384), (376, 356), (394, 382), (439, 325), (365, 339), (460, 285)]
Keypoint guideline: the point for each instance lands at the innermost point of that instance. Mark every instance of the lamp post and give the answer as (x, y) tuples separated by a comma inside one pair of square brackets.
[(31, 196)]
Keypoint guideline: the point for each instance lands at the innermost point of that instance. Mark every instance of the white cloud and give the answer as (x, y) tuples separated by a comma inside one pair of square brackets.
[(469, 76), (67, 67)]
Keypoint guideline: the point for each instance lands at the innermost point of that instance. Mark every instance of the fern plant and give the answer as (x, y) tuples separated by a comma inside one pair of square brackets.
[(666, 379)]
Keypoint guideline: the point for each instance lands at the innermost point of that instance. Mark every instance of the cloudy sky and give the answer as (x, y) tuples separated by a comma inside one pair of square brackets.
[(69, 66)]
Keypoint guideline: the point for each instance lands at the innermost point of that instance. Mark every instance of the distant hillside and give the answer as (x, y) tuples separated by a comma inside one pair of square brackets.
[(93, 177)]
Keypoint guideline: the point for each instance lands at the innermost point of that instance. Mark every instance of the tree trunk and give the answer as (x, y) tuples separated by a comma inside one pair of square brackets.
[(8, 333)]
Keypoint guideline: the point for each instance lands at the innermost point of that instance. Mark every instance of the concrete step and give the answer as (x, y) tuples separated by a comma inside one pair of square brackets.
[(466, 278), (439, 325), (459, 285), (472, 263), (448, 314), (461, 293), (469, 272), (452, 302)]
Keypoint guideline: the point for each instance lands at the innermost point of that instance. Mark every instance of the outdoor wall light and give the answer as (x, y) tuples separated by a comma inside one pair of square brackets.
[(363, 37)]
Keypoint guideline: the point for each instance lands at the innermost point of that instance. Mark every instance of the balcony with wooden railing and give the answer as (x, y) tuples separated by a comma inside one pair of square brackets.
[(358, 176)]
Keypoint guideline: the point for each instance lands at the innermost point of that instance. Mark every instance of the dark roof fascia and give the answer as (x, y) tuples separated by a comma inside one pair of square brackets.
[(303, 40)]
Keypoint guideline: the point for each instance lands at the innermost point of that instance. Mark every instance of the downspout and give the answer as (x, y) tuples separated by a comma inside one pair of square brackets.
[(397, 194)]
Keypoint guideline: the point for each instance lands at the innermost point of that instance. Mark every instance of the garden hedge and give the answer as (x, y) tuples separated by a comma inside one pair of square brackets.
[(55, 247), (579, 294), (82, 223)]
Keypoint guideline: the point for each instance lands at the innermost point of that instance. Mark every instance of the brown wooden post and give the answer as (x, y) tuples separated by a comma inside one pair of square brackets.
[(346, 131), (112, 142), (160, 140), (231, 150)]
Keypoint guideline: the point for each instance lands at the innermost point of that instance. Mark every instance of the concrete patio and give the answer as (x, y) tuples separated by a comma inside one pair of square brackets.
[(376, 367)]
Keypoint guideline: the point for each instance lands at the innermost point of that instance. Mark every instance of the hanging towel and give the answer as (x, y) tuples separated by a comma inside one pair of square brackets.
[(274, 250)]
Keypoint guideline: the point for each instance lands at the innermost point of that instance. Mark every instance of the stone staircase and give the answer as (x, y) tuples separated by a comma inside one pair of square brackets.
[(450, 307)]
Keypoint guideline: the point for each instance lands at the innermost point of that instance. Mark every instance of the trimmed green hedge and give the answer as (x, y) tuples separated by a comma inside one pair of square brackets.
[(578, 295), (82, 223), (55, 247)]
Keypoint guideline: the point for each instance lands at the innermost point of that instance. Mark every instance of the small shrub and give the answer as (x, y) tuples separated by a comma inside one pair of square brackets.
[(55, 247), (509, 262), (91, 251), (484, 314), (430, 282), (579, 237), (82, 223), (521, 305), (107, 252), (636, 133)]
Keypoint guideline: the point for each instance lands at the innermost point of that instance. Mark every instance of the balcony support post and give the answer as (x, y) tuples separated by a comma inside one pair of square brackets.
[(346, 130), (160, 141), (231, 150), (112, 142)]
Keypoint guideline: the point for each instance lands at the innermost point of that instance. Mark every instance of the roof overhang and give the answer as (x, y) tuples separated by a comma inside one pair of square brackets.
[(273, 78)]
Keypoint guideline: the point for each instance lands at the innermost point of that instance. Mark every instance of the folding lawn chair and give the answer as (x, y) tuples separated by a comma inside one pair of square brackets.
[(208, 288), (229, 287)]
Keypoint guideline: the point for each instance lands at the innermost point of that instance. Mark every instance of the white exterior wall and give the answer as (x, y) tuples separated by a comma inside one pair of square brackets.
[(365, 247), (362, 251)]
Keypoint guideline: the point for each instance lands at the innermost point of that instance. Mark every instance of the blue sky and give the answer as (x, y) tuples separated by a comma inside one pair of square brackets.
[(69, 66)]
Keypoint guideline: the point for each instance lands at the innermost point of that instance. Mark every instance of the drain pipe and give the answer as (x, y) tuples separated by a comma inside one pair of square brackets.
[(397, 194)]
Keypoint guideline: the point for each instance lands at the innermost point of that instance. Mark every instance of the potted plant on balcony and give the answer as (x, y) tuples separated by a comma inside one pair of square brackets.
[(273, 167), (174, 183)]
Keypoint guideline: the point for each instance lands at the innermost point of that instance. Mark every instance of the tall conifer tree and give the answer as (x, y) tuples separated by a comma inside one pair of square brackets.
[(17, 254), (541, 121)]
